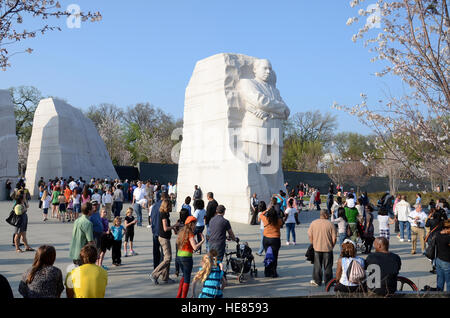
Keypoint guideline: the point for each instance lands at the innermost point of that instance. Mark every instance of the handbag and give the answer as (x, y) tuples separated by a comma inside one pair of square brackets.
[(14, 219)]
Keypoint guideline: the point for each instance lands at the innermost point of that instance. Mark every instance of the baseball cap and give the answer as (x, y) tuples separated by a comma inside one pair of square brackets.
[(190, 219), (94, 202)]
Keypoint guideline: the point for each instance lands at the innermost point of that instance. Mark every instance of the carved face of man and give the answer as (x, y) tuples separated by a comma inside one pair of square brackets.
[(262, 69)]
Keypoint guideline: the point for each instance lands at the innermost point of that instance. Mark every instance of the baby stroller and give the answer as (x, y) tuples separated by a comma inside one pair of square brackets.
[(242, 263)]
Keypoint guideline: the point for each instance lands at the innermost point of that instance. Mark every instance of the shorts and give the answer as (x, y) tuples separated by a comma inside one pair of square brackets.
[(130, 236), (45, 211), (77, 208), (97, 239), (23, 225), (62, 207), (103, 242), (57, 203)]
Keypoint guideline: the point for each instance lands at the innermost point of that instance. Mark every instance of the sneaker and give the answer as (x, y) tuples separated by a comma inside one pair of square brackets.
[(313, 283), (409, 240), (104, 267), (126, 255), (133, 253), (149, 226), (169, 281), (259, 254), (154, 280), (287, 243), (293, 243), (402, 240)]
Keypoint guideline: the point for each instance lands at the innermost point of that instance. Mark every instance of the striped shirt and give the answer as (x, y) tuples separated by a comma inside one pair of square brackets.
[(212, 287)]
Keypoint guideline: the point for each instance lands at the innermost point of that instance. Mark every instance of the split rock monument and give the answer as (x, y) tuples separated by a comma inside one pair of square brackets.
[(65, 143), (8, 143), (232, 133)]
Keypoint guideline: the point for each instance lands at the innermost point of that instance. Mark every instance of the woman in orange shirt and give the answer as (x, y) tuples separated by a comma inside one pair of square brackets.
[(186, 246), (272, 225)]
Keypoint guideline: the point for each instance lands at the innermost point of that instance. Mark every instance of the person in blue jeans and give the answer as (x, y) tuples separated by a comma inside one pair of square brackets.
[(443, 257), (261, 208), (290, 221)]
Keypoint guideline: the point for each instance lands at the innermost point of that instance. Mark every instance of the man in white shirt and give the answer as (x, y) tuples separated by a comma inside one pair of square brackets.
[(72, 185), (107, 201), (402, 210), (138, 194), (417, 218)]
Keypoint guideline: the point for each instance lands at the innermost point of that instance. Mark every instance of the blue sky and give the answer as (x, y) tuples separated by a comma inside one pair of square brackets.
[(146, 50)]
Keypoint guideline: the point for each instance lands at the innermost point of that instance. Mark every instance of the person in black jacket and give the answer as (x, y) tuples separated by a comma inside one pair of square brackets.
[(210, 213), (434, 222)]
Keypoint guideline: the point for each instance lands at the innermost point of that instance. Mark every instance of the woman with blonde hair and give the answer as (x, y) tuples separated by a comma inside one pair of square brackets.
[(42, 280), (212, 276), (186, 245)]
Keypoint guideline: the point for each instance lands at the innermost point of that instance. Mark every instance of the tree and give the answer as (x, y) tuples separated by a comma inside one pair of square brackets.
[(108, 119), (14, 12), (414, 44), (311, 127), (25, 99), (149, 131), (306, 135)]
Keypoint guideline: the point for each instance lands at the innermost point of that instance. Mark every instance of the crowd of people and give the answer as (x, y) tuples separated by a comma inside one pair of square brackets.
[(95, 210)]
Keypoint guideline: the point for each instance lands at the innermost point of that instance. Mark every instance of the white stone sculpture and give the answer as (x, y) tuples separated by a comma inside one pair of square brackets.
[(232, 133), (65, 143), (8, 143)]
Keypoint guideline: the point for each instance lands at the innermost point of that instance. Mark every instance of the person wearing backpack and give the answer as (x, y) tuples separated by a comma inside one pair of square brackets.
[(350, 273)]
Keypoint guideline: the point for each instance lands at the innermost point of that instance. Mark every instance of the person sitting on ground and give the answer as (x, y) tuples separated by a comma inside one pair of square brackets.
[(87, 280), (42, 280), (388, 264), (345, 283)]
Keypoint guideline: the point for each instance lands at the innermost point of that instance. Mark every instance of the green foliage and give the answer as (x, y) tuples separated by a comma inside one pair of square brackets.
[(25, 100)]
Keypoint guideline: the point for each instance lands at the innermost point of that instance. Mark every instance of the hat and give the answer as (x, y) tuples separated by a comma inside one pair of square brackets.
[(349, 241), (190, 219), (94, 202), (351, 203)]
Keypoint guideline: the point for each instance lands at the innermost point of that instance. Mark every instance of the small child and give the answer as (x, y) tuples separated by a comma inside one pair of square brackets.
[(117, 230), (46, 200), (62, 208), (130, 221), (212, 277)]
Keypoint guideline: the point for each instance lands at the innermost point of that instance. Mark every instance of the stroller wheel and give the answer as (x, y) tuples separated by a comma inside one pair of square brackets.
[(241, 278), (255, 272)]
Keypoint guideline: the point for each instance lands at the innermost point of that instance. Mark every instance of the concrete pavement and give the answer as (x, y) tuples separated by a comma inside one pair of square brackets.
[(132, 278)]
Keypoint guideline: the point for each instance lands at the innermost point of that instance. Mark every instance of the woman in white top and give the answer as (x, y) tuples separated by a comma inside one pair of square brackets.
[(199, 214), (290, 221), (76, 197), (383, 223), (361, 213), (348, 254), (341, 222)]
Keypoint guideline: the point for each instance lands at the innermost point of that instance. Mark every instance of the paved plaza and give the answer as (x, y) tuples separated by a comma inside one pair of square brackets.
[(132, 278)]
